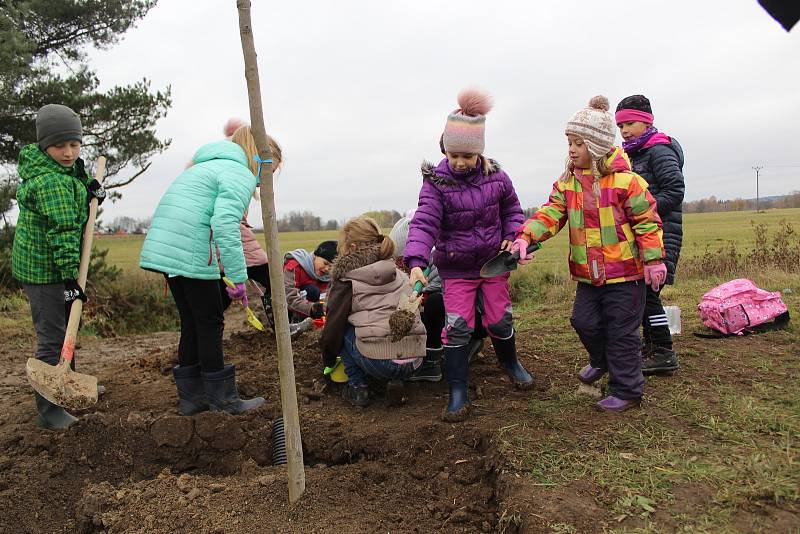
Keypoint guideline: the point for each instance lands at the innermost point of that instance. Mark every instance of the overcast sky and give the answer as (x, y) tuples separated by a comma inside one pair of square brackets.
[(357, 92)]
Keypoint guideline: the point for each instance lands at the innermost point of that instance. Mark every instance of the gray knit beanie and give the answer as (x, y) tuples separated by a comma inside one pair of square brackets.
[(56, 124), (399, 235)]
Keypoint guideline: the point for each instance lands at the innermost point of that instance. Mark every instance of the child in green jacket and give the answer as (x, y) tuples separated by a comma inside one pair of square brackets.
[(53, 198)]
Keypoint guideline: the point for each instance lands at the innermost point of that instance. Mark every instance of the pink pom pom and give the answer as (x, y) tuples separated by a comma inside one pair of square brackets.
[(231, 126), (474, 102)]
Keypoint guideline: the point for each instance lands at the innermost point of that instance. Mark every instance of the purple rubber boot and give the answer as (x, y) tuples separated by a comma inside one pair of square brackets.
[(615, 404), (590, 375)]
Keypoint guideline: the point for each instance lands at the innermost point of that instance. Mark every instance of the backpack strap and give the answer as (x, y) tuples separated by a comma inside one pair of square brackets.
[(778, 323)]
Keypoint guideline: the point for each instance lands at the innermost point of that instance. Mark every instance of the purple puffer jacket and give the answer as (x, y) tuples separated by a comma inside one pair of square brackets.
[(467, 216)]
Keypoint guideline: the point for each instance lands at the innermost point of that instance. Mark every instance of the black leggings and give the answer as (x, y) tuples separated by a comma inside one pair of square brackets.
[(654, 323), (200, 308)]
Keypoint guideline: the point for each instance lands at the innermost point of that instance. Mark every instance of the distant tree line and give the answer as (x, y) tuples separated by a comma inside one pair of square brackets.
[(306, 221), (713, 204)]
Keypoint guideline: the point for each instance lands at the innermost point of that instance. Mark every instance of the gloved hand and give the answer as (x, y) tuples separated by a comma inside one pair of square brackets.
[(521, 245), (73, 291), (317, 310), (97, 191), (238, 293), (655, 274)]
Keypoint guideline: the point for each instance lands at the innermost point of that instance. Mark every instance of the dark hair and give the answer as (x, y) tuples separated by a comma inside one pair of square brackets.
[(637, 102)]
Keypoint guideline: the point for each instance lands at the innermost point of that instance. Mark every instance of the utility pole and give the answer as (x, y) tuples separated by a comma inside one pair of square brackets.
[(757, 168)]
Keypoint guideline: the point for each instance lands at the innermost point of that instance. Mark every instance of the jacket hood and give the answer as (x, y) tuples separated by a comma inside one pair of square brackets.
[(365, 266), (221, 150), (34, 162), (441, 174)]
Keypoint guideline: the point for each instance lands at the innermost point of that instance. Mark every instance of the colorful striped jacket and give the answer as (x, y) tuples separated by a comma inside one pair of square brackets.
[(611, 237)]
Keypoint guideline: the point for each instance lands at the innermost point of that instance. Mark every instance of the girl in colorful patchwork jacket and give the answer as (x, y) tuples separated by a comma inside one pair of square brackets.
[(469, 210), (615, 242)]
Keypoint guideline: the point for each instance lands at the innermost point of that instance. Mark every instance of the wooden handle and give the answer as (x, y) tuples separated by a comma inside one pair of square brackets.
[(68, 349)]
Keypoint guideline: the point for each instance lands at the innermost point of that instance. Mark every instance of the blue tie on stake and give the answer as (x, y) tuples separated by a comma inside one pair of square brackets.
[(260, 161)]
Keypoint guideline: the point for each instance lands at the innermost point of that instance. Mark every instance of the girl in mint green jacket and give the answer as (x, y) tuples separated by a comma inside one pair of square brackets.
[(199, 212)]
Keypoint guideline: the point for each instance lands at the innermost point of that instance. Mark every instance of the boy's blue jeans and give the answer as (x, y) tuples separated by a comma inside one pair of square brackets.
[(358, 367)]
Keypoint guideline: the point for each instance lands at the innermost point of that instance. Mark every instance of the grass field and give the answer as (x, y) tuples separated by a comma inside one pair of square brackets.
[(701, 230)]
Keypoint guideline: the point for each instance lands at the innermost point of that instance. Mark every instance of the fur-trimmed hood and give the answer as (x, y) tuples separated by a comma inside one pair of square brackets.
[(364, 256), (441, 174)]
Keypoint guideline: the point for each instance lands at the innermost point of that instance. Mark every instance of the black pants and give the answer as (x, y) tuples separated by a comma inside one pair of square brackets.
[(607, 320), (433, 317), (654, 324), (259, 273), (200, 307)]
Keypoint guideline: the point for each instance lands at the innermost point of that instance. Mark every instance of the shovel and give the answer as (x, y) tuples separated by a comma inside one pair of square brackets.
[(251, 317), (412, 303), (505, 262), (59, 384)]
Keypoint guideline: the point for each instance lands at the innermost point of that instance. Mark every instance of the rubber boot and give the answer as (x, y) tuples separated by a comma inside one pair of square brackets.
[(506, 350), (475, 346), (456, 364), (191, 393), (220, 389), (51, 416)]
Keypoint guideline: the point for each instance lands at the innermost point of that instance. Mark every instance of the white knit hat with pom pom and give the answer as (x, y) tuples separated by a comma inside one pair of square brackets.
[(466, 126), (595, 125)]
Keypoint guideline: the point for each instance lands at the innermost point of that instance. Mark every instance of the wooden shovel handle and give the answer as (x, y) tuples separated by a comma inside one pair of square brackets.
[(68, 349)]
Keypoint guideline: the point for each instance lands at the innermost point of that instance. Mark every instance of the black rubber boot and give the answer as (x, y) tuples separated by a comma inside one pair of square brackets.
[(431, 368), (456, 363), (475, 345), (51, 416), (220, 389), (506, 350), (191, 394)]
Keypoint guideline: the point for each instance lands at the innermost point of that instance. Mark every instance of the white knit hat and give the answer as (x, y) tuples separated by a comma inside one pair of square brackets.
[(596, 126)]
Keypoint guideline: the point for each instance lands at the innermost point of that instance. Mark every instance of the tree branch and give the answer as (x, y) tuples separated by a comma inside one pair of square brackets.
[(132, 178)]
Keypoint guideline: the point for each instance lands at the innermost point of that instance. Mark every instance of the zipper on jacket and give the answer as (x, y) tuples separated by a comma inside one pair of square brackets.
[(210, 246)]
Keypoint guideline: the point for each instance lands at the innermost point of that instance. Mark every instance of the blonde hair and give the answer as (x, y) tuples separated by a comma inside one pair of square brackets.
[(599, 168), (244, 138), (364, 231)]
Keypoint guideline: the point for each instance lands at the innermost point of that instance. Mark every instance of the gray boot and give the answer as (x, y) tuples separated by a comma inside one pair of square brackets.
[(51, 416), (220, 389), (191, 393)]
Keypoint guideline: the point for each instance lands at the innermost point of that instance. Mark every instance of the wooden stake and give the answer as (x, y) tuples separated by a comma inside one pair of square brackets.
[(291, 420)]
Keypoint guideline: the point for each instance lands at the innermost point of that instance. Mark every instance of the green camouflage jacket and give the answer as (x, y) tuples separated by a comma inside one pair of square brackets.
[(53, 209)]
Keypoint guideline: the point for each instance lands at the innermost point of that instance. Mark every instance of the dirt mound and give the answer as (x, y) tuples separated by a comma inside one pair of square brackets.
[(131, 465)]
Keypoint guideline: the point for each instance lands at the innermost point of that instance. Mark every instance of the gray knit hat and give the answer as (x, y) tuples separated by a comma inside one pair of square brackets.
[(399, 235), (595, 125), (56, 124)]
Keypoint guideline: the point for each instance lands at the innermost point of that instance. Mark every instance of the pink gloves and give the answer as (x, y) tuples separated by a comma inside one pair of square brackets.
[(238, 293), (655, 274), (521, 245)]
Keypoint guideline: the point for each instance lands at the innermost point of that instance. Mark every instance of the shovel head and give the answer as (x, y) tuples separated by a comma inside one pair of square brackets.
[(61, 385), (505, 262)]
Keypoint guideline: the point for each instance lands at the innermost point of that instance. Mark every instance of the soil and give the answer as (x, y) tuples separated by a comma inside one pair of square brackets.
[(132, 465)]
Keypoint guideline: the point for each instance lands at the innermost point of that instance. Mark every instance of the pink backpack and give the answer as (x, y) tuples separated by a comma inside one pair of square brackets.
[(739, 306)]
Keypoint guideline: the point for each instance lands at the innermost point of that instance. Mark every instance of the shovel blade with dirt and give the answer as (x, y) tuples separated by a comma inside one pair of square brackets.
[(505, 262), (59, 383)]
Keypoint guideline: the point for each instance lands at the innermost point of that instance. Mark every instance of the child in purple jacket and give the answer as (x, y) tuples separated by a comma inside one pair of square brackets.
[(469, 211)]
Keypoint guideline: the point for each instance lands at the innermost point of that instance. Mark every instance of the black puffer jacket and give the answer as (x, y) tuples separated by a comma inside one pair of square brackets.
[(662, 167)]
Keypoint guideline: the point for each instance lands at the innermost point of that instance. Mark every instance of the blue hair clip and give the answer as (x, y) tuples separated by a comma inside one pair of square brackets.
[(260, 161)]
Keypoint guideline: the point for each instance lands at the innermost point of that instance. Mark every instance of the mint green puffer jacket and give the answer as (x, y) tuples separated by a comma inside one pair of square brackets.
[(202, 208)]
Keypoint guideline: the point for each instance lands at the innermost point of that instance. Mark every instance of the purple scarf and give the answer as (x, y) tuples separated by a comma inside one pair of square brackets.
[(637, 143)]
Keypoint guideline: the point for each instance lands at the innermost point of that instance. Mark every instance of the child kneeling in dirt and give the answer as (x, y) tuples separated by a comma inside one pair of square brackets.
[(365, 291), (200, 210), (615, 242), (53, 198), (305, 278)]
